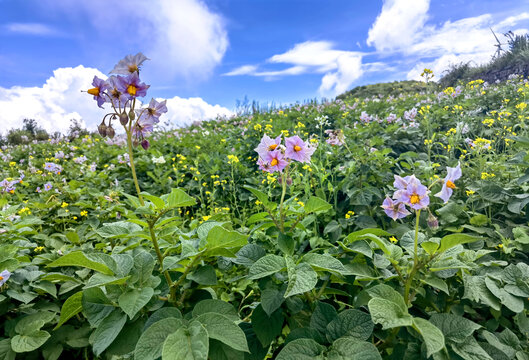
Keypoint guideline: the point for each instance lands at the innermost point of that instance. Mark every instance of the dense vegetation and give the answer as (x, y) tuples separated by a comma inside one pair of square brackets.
[(304, 263), (513, 60)]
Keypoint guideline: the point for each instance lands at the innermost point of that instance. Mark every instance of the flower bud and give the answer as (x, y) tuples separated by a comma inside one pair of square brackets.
[(432, 221), (135, 142), (145, 144), (123, 119), (289, 181), (132, 115), (102, 128), (110, 132)]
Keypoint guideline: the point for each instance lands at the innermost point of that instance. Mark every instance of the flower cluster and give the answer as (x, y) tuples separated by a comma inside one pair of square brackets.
[(121, 91), (53, 168), (7, 186), (273, 156), (336, 137), (410, 192)]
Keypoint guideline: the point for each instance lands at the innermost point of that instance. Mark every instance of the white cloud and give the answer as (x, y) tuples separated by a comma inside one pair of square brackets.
[(182, 112), (60, 99), (184, 38), (31, 29), (340, 67), (512, 20), (349, 69), (398, 24)]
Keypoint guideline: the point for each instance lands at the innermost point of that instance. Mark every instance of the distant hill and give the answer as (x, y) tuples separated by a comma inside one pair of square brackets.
[(393, 88)]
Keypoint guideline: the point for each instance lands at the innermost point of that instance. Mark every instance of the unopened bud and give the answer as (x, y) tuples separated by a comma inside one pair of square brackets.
[(102, 128), (132, 115), (110, 132), (432, 221), (289, 181), (135, 142), (123, 119), (145, 144)]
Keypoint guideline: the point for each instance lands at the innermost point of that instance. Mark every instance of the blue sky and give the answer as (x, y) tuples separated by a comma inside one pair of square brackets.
[(207, 54)]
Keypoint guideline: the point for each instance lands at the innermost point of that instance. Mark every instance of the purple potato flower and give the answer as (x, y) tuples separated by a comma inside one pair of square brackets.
[(297, 149), (448, 182), (131, 86), (100, 86), (277, 161), (416, 194), (130, 64), (4, 276), (48, 186), (267, 145), (263, 165), (152, 112), (117, 97), (143, 127), (394, 209)]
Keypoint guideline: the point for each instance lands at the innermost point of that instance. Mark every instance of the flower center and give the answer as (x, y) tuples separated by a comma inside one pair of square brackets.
[(131, 89), (415, 199), (297, 148), (133, 68), (272, 147), (450, 184), (1, 278), (274, 162), (94, 91)]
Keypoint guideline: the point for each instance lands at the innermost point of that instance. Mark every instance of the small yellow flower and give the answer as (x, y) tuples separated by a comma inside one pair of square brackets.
[(393, 239), (197, 147), (257, 127), (84, 213), (349, 214), (206, 218), (64, 204), (470, 192), (39, 249)]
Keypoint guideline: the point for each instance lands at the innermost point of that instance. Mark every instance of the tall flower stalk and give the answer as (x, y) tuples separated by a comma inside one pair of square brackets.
[(121, 92)]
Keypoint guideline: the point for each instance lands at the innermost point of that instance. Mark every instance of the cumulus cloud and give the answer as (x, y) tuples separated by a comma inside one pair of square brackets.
[(349, 69), (398, 24), (340, 67), (184, 38), (60, 99)]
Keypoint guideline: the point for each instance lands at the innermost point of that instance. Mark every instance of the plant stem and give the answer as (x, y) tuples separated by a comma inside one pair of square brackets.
[(133, 169), (416, 241), (284, 177)]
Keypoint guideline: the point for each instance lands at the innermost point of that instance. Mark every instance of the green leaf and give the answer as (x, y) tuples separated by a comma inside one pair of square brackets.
[(98, 280), (179, 198), (221, 328), (267, 328), (323, 314), (204, 275), (267, 265), (216, 306), (325, 262), (249, 254), (374, 231), (382, 244), (315, 204), (436, 283), (150, 344), (353, 323), (449, 241), (107, 331), (29, 342), (387, 307), (6, 353), (120, 229), (285, 244), (430, 247), (302, 278), (220, 238), (221, 351), (259, 195), (77, 258), (35, 321), (301, 349), (163, 313), (349, 348), (96, 306), (513, 303), (158, 202), (271, 300), (187, 343), (432, 336), (71, 307), (133, 300), (470, 350), (455, 328)]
